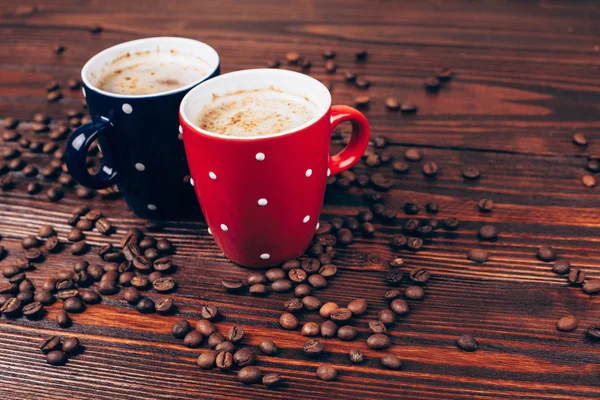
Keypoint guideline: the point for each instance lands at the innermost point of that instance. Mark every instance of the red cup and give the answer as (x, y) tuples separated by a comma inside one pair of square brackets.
[(262, 195)]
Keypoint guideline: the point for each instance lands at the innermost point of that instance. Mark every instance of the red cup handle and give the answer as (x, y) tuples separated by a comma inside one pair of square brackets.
[(358, 142)]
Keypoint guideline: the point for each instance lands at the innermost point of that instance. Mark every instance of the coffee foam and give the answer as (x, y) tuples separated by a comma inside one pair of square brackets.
[(149, 72), (255, 112)]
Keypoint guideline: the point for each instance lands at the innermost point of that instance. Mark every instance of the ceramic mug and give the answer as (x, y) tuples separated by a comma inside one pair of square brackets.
[(138, 135), (262, 195)]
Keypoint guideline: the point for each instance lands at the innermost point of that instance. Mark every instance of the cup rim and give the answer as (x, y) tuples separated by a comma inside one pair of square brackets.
[(250, 73), (159, 39)]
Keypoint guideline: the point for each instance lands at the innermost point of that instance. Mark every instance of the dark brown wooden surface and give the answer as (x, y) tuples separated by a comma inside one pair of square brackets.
[(527, 76)]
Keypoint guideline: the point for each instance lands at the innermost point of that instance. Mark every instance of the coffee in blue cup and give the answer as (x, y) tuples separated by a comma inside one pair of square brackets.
[(133, 91)]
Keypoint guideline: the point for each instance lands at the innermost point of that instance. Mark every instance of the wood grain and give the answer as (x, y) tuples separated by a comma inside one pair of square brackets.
[(526, 78)]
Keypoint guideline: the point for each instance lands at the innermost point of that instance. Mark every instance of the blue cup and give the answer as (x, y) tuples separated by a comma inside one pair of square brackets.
[(139, 135)]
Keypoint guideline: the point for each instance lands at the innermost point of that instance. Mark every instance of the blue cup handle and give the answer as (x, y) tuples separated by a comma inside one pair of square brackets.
[(77, 149)]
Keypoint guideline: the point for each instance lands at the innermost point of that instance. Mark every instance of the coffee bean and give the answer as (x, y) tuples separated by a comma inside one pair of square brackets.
[(10, 270), (79, 247), (71, 345), (301, 290), (271, 380), (32, 310), (488, 233), (394, 277), (95, 29), (297, 275), (391, 361), (399, 306), (274, 274), (317, 281), (293, 305), (95, 271), (52, 244), (411, 208), (257, 277), (282, 286), (43, 296), (387, 317), (357, 306), (347, 332), (145, 305), (67, 293), (126, 277), (412, 154), (235, 334), (327, 308), (392, 104), (268, 347), (580, 139), (244, 357), (7, 183), (352, 224), (258, 289), (313, 348), (49, 344), (362, 83), (193, 339), (486, 205), (546, 253), (163, 264), (380, 182), (377, 326), (147, 243), (25, 297), (414, 293), (593, 166), (310, 329), (576, 276), (467, 343), (292, 57), (424, 231), (249, 375), (593, 331), (591, 286), (311, 303), (327, 373), (288, 321), (430, 169), (56, 357), (164, 285), (142, 264), (471, 173), (224, 360), (341, 315), (432, 84), (207, 359), (588, 181), (75, 235), (103, 226), (378, 341), (561, 267), (414, 243), (90, 296), (567, 324), (30, 242), (419, 276), (9, 289), (210, 312), (478, 255), (62, 319), (225, 346), (164, 246), (73, 305), (181, 328)]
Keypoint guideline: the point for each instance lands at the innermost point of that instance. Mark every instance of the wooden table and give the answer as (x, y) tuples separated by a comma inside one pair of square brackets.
[(526, 78)]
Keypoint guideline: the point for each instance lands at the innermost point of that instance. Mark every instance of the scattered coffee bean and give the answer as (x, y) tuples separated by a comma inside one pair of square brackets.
[(488, 232), (56, 357), (580, 139), (52, 244), (275, 273), (164, 285), (293, 305), (62, 319), (380, 182), (225, 346), (214, 339), (95, 29), (49, 344), (193, 339), (292, 57), (145, 305), (394, 277), (546, 253), (412, 154), (165, 306), (258, 289), (317, 281), (561, 266), (357, 306), (399, 306), (362, 83), (341, 315), (593, 331), (249, 375), (90, 296), (330, 66), (391, 361), (73, 305), (588, 181), (271, 380), (432, 84), (311, 303), (419, 276), (593, 166), (224, 360), (282, 286), (103, 226), (430, 169), (387, 317), (268, 347), (313, 348), (207, 359), (567, 324), (327, 308), (257, 277), (301, 290), (327, 373), (414, 293), (210, 312), (486, 205), (288, 321), (32, 310), (310, 329), (392, 104), (244, 357), (164, 246), (471, 173), (467, 343), (347, 332), (591, 286), (378, 341), (576, 276), (71, 345), (377, 326)]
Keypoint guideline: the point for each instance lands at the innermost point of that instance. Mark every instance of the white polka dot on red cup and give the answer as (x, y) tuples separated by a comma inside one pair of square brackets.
[(83, 91), (224, 227), (212, 175), (209, 231), (140, 167), (127, 109), (306, 219), (151, 207), (192, 181), (308, 173), (328, 172), (260, 156), (180, 129), (318, 225), (262, 202), (265, 256)]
